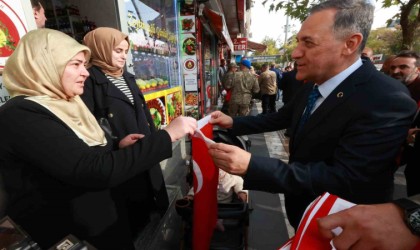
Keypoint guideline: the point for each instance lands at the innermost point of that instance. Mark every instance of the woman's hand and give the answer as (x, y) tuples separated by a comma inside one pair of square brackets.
[(129, 140), (180, 127)]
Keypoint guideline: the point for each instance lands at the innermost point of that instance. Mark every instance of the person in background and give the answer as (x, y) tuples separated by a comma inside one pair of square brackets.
[(252, 71), (405, 68), (229, 186), (229, 190), (389, 226), (227, 82), (244, 85), (367, 53), (342, 140), (220, 73), (58, 174), (279, 75), (112, 88), (268, 89), (39, 13), (387, 64), (290, 86)]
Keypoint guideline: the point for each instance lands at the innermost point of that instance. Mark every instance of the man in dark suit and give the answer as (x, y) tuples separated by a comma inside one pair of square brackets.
[(346, 130), (290, 85)]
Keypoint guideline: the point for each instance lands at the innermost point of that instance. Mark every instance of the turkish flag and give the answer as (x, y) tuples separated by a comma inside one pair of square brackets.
[(307, 235), (206, 177)]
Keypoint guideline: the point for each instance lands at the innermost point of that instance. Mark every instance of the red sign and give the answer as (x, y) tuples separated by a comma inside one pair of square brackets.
[(240, 43)]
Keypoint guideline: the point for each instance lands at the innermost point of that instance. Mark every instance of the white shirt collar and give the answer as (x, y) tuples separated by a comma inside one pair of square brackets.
[(328, 86)]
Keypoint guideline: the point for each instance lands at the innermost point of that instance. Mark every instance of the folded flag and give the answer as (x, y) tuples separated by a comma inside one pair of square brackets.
[(205, 181), (307, 235)]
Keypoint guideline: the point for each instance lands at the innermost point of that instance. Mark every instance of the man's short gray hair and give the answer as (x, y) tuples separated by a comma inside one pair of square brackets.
[(353, 16)]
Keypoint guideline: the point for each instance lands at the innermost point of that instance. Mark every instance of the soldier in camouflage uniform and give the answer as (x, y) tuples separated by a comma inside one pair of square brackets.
[(227, 82), (244, 84)]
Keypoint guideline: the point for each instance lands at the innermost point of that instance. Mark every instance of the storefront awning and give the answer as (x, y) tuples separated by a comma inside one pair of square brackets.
[(256, 46), (217, 21)]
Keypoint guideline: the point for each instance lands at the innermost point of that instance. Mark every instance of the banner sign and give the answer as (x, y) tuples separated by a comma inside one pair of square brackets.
[(260, 59), (240, 43)]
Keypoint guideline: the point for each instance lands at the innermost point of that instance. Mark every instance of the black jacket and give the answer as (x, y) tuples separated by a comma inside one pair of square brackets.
[(347, 147), (56, 184), (126, 118), (290, 86)]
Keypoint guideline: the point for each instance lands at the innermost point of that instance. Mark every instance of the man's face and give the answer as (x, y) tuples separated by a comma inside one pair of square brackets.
[(367, 52), (318, 54), (404, 69), (40, 18)]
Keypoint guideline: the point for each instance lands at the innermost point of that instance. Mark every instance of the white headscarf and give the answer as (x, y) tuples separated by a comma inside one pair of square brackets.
[(35, 69)]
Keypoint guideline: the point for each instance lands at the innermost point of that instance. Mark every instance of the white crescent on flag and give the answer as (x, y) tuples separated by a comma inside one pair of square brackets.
[(199, 176)]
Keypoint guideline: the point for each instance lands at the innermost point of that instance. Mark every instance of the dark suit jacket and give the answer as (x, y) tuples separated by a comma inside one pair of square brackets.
[(124, 118), (290, 86), (56, 184), (347, 147)]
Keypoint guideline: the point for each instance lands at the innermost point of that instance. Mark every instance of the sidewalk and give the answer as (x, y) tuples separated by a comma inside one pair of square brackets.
[(268, 228)]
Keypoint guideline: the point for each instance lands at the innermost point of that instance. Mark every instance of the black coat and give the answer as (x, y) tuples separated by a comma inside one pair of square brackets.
[(289, 85), (347, 147), (57, 185), (126, 118)]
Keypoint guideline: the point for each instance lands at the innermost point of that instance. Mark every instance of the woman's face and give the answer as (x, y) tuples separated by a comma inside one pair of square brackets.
[(74, 76), (119, 54)]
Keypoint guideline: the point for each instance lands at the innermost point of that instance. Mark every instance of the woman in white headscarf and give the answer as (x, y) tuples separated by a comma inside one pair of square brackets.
[(56, 165)]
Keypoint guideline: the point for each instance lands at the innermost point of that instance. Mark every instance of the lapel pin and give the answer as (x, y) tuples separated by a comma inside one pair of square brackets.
[(340, 94)]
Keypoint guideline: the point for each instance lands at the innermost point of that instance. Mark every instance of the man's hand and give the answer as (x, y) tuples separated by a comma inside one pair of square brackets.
[(129, 140), (180, 127), (220, 119), (230, 158), (369, 227)]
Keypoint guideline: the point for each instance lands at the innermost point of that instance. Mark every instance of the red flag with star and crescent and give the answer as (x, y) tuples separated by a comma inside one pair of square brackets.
[(205, 182)]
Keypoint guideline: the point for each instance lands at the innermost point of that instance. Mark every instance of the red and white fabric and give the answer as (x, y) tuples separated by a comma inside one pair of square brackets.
[(307, 235), (205, 186)]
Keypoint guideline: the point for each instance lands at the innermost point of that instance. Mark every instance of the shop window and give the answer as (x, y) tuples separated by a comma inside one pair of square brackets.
[(153, 40)]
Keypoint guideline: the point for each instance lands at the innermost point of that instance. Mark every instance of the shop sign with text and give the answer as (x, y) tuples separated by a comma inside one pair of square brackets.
[(240, 43)]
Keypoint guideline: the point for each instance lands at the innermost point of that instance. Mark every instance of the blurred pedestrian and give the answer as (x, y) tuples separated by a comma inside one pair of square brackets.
[(39, 13), (244, 85), (227, 82), (367, 53), (268, 89)]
